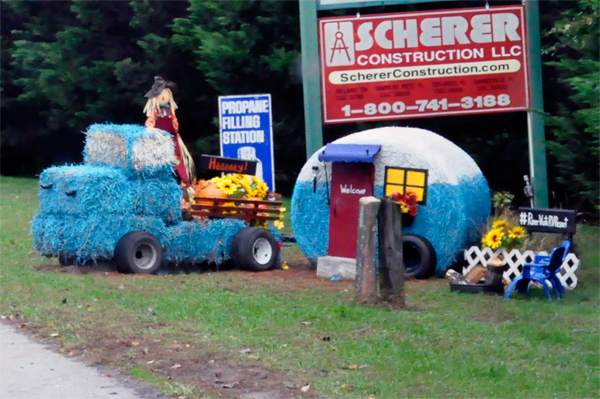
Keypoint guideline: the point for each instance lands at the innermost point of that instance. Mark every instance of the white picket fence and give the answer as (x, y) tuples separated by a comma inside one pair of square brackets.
[(515, 261)]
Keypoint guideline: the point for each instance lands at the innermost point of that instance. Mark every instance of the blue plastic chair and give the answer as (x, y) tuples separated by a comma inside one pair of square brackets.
[(544, 267)]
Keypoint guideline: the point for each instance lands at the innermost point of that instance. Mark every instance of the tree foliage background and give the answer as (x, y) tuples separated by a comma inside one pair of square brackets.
[(68, 64)]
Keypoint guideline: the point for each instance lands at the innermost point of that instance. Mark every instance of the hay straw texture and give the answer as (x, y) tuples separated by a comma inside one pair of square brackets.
[(125, 184), (83, 189), (95, 236), (134, 148), (458, 198)]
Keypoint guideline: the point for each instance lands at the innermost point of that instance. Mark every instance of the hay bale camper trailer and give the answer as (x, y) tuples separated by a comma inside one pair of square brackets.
[(453, 195), (123, 203)]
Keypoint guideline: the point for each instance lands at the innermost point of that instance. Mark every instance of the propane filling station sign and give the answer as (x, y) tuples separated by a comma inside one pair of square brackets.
[(423, 64)]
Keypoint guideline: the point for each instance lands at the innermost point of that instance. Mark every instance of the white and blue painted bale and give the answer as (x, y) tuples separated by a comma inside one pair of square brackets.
[(85, 189), (204, 239), (91, 237), (458, 198), (133, 148), (95, 236)]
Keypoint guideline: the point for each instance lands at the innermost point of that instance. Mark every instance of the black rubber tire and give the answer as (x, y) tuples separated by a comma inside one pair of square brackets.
[(138, 252), (66, 260), (255, 249), (419, 256)]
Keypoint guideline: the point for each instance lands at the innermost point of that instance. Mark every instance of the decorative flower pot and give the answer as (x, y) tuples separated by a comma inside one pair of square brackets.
[(514, 260)]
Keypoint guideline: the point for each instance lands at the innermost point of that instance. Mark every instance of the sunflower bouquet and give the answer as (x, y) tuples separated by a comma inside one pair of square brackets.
[(504, 235)]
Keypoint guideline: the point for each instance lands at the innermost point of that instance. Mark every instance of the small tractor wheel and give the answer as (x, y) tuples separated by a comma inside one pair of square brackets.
[(255, 249), (138, 252)]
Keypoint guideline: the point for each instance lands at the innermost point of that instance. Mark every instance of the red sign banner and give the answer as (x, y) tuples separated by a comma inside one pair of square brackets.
[(423, 64)]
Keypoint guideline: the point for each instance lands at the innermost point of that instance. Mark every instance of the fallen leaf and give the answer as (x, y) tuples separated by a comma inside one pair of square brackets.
[(363, 366), (174, 346), (23, 325), (89, 308), (107, 292), (54, 335), (135, 343), (32, 253), (71, 354), (305, 323), (305, 388), (50, 324), (244, 351), (285, 266), (349, 387), (122, 287), (2, 317), (176, 366), (231, 385), (217, 375), (351, 366), (145, 351), (150, 362), (95, 299)]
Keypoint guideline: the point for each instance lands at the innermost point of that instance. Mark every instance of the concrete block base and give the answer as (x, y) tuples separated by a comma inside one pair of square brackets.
[(335, 266)]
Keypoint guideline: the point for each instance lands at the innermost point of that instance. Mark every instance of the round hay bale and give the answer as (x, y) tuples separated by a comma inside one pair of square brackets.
[(458, 198)]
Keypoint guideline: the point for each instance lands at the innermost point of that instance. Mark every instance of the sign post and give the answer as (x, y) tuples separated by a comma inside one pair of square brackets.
[(247, 133)]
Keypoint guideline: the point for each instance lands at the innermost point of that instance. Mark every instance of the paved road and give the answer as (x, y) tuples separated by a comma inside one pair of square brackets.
[(28, 370)]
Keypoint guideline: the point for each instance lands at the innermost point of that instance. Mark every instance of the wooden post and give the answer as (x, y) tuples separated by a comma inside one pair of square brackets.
[(366, 254), (391, 260)]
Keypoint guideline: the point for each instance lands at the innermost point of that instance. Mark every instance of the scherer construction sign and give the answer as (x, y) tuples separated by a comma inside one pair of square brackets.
[(423, 64)]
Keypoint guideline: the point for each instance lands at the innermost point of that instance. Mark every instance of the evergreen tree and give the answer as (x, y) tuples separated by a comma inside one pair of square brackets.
[(574, 140), (252, 47)]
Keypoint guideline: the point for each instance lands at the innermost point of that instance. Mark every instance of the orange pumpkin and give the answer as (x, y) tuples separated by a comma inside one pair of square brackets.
[(211, 191)]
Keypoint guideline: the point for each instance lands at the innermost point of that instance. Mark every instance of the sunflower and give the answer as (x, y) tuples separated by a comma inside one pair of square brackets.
[(498, 224), (227, 186), (493, 239), (517, 232)]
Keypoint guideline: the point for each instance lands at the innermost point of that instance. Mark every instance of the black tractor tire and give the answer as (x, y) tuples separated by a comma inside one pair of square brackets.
[(66, 260), (419, 256), (255, 249), (138, 252)]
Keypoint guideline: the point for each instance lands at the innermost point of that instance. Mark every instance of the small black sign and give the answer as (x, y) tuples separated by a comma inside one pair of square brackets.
[(229, 165), (548, 220)]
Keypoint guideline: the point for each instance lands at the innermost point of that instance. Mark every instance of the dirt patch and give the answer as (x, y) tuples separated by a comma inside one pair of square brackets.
[(179, 358)]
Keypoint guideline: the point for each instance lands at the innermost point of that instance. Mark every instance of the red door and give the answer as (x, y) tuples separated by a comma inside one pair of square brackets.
[(349, 182)]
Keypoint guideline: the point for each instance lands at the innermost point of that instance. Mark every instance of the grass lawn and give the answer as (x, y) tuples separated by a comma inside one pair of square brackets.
[(174, 330)]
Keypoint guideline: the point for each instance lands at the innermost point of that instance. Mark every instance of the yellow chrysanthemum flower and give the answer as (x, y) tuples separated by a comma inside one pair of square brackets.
[(517, 232), (278, 224), (499, 224)]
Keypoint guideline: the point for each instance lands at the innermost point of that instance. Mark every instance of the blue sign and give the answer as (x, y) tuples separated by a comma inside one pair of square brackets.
[(246, 132)]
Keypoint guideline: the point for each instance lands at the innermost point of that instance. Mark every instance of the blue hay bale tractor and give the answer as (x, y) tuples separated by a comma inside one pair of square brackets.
[(123, 204)]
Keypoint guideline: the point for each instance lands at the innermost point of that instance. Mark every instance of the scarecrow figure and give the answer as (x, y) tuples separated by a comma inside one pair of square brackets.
[(160, 110)]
